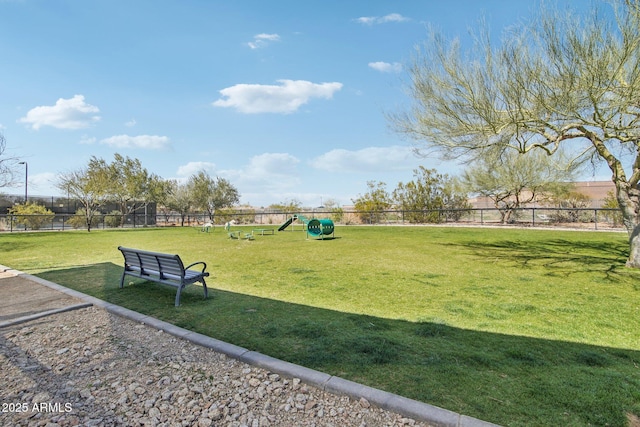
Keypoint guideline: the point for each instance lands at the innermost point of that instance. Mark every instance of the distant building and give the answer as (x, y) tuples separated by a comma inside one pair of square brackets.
[(595, 190)]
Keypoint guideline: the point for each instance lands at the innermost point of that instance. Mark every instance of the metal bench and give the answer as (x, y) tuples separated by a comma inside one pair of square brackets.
[(162, 268)]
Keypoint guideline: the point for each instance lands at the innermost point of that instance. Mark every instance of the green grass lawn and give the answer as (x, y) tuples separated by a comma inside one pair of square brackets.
[(517, 327)]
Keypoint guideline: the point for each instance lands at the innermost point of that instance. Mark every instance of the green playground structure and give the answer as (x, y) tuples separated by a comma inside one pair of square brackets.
[(314, 227), (286, 224), (320, 228)]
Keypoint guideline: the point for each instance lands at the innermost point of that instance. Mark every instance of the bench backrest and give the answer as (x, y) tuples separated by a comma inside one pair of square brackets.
[(153, 262)]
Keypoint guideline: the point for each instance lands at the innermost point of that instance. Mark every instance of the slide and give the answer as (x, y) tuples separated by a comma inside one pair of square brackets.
[(286, 224)]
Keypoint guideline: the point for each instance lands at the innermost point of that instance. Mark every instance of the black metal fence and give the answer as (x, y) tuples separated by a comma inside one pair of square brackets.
[(583, 218)]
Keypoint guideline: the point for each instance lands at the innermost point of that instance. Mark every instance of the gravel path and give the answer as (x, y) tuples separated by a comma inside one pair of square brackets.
[(92, 368)]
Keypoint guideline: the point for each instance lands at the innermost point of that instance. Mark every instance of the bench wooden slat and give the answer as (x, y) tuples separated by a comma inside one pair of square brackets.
[(173, 267), (162, 268)]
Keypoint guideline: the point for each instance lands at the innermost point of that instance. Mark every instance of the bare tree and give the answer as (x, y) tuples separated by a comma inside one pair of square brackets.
[(7, 165), (563, 79)]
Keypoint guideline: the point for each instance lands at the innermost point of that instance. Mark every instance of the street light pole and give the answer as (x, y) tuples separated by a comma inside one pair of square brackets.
[(26, 180)]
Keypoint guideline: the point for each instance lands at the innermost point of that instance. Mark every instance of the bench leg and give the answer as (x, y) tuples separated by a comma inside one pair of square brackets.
[(206, 291), (122, 280), (178, 296)]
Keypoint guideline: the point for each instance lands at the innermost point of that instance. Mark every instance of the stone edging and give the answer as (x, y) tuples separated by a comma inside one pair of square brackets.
[(434, 415)]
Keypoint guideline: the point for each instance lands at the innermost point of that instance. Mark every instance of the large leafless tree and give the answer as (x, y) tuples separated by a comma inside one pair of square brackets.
[(8, 165)]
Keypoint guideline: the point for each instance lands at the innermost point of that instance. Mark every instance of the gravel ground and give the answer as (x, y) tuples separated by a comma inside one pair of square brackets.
[(91, 368)]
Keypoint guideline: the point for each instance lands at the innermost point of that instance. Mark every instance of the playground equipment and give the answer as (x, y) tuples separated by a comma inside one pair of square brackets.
[(290, 221), (320, 227), (314, 227), (287, 223), (237, 234)]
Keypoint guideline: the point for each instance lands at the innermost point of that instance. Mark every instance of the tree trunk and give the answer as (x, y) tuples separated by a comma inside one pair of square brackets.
[(88, 217), (631, 220), (634, 248), (628, 202), (505, 215), (627, 194)]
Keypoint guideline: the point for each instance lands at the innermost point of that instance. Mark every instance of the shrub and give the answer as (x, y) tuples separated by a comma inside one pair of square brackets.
[(573, 203), (371, 207), (614, 216), (79, 220), (113, 219), (337, 214), (31, 215)]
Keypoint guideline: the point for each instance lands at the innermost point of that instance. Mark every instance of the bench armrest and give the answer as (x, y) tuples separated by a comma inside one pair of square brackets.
[(204, 266)]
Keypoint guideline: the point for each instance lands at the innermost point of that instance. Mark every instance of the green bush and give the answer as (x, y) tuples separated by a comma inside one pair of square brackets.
[(79, 220), (614, 216), (337, 214), (113, 219), (31, 215)]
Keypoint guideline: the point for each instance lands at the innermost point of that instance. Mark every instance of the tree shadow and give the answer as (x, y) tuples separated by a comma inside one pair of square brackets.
[(558, 256), (505, 379)]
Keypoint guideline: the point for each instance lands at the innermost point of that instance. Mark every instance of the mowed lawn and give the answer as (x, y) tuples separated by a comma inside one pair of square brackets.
[(513, 326)]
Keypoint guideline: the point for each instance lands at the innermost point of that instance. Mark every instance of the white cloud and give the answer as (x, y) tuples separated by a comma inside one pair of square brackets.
[(265, 177), (273, 164), (131, 123), (40, 184), (262, 40), (385, 67), (72, 113), (193, 168), (88, 140), (41, 181), (284, 98), (392, 17), (151, 142), (266, 172), (367, 20), (370, 159)]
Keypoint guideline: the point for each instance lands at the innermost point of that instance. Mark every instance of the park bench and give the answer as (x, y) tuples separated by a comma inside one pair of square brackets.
[(162, 268)]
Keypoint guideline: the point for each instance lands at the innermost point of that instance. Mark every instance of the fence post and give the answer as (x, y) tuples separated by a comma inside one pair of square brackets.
[(595, 218), (533, 217)]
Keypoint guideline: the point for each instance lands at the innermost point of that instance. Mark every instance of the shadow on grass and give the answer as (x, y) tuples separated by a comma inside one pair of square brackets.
[(559, 256), (509, 380)]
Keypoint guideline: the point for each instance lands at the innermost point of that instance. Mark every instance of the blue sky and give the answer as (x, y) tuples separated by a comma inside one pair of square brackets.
[(286, 99)]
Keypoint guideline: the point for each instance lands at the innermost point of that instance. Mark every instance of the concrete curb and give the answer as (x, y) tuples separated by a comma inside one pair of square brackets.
[(438, 417), (35, 316)]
